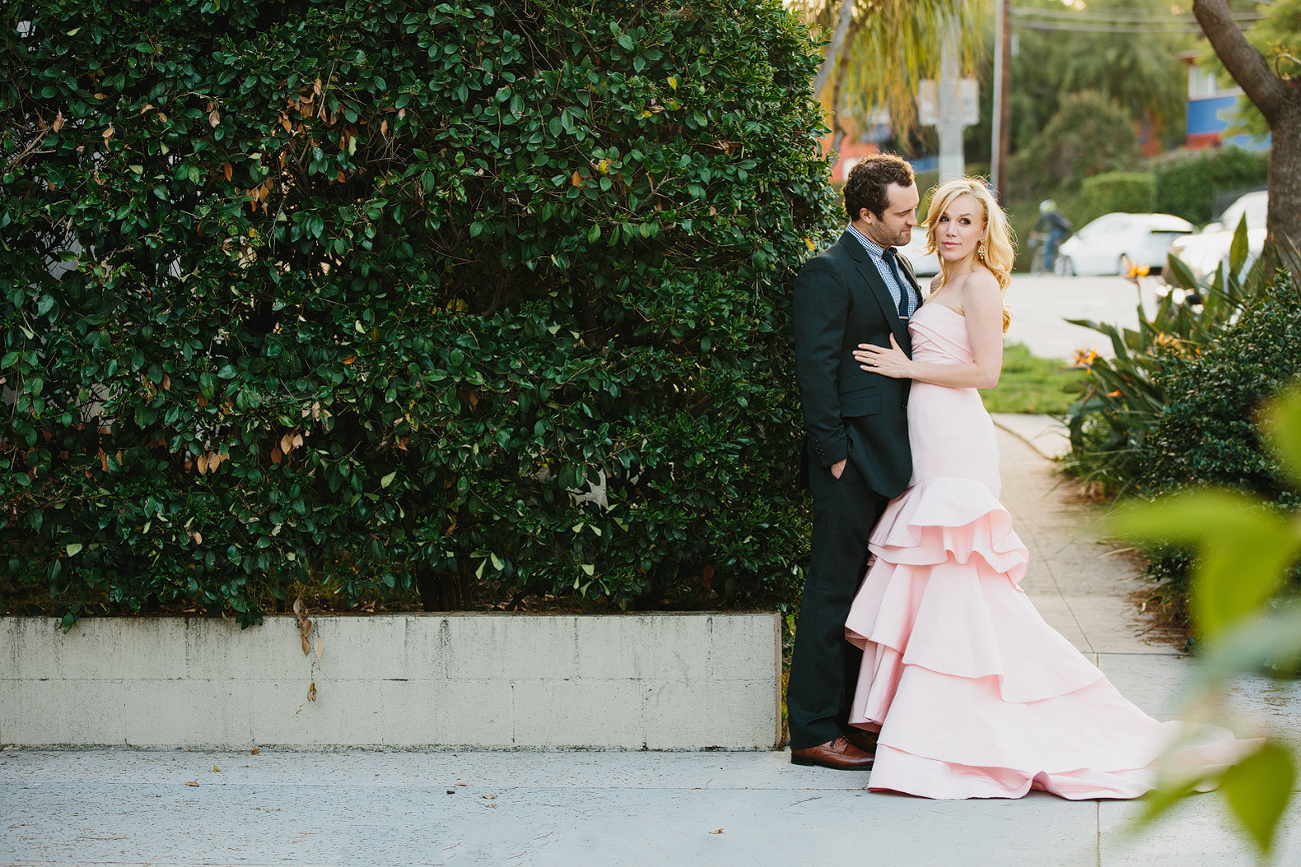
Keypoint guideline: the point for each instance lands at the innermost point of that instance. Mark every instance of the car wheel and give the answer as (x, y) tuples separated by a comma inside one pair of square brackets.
[(1065, 267)]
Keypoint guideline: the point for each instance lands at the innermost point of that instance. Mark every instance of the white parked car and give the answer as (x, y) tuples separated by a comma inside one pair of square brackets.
[(924, 264), (1103, 246), (1204, 251)]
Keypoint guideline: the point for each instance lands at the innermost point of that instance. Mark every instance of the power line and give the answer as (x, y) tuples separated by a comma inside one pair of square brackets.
[(1119, 16), (1100, 28)]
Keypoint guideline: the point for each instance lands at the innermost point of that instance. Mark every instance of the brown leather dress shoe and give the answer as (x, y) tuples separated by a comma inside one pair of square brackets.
[(863, 739), (839, 754)]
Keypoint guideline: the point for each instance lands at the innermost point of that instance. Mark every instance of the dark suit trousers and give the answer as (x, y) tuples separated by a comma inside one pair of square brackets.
[(824, 667)]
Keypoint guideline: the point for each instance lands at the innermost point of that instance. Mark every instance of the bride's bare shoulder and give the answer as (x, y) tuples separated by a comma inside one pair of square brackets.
[(982, 281)]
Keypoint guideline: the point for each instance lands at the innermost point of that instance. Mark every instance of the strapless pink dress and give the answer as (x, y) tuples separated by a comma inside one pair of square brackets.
[(973, 694)]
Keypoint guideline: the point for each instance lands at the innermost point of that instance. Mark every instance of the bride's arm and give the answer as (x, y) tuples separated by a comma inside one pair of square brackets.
[(982, 304)]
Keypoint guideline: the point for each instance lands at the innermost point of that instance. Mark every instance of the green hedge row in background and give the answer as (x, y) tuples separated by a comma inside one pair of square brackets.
[(1187, 182), (370, 296), (1132, 192)]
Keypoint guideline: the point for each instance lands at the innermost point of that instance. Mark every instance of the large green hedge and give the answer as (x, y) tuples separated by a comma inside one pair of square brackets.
[(1130, 192), (367, 295), (1187, 182)]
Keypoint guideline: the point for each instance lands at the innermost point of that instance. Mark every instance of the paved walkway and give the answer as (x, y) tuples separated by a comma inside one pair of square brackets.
[(597, 809)]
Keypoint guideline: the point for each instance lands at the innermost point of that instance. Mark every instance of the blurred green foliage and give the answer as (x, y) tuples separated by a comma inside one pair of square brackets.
[(1188, 181), (1130, 192), (374, 296), (1245, 545), (1088, 135)]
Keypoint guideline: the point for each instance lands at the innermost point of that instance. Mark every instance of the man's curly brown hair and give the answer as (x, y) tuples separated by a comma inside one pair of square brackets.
[(868, 180)]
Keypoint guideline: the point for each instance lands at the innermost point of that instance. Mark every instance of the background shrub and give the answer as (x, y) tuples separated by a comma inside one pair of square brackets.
[(1131, 192), (1187, 182), (1089, 135), (369, 296), (1207, 432)]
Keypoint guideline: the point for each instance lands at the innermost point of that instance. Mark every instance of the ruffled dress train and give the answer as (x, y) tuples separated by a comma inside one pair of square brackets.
[(973, 694)]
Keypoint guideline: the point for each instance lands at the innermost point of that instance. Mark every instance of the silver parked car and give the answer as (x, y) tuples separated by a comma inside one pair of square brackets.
[(1204, 251), (1105, 245)]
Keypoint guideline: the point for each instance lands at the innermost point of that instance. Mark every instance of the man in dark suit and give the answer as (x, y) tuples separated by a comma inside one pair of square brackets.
[(856, 454)]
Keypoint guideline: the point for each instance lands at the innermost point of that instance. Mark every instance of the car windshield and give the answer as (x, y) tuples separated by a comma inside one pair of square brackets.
[(1254, 205)]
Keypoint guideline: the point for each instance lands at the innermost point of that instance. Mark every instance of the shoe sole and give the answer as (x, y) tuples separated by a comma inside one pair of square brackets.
[(813, 763)]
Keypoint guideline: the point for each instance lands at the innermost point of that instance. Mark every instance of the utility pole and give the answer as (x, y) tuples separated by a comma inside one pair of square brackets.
[(949, 104), (1001, 137)]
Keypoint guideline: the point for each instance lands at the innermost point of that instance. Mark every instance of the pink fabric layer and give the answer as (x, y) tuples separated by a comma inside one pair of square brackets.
[(973, 694)]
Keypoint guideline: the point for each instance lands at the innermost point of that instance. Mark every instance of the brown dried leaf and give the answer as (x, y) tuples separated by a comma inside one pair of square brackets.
[(216, 770), (253, 752), (719, 831), (286, 123), (383, 127), (298, 607), (214, 119), (228, 169), (297, 440), (108, 133), (311, 692), (202, 464), (306, 626), (58, 122), (402, 112), (319, 647), (350, 359), (202, 401), (276, 456), (198, 538), (307, 646), (194, 783), (576, 179), (167, 382)]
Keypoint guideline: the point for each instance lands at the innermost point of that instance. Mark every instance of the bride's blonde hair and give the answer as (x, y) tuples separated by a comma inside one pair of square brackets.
[(995, 250)]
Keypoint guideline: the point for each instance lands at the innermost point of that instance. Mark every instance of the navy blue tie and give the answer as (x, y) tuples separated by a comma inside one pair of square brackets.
[(892, 259)]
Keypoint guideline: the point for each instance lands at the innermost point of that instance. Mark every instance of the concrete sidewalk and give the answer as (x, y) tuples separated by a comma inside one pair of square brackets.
[(639, 808)]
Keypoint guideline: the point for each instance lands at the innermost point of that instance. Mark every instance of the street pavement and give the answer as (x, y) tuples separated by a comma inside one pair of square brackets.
[(597, 809), (1041, 304)]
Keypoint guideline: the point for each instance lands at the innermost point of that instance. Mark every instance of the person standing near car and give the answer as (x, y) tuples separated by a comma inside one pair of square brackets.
[(1056, 225)]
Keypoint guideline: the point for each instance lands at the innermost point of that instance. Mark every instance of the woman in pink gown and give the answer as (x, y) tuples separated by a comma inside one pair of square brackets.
[(972, 693)]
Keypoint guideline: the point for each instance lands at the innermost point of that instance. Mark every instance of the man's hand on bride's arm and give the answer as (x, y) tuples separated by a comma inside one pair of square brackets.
[(888, 361)]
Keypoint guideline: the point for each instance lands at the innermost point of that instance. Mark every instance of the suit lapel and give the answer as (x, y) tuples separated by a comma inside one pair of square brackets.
[(867, 270)]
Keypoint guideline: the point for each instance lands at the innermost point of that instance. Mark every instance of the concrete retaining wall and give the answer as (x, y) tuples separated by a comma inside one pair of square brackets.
[(660, 682)]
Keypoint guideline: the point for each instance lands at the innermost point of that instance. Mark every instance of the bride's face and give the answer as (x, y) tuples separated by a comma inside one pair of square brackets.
[(959, 229)]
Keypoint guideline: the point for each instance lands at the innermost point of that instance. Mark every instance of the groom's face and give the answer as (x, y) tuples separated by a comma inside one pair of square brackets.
[(894, 227)]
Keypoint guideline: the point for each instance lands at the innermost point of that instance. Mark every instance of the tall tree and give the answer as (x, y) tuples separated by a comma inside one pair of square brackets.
[(1278, 97), (880, 50)]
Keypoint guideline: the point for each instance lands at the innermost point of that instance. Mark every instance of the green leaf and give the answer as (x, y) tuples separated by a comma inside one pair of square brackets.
[(593, 234), (1257, 789), (388, 480), (73, 549), (1282, 429), (1243, 548), (589, 568), (496, 562), (1238, 248)]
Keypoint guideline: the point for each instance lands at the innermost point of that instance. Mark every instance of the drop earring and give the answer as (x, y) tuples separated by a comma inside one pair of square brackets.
[(980, 250)]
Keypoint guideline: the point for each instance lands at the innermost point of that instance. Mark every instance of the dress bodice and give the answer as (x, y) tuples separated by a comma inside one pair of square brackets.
[(939, 335)]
